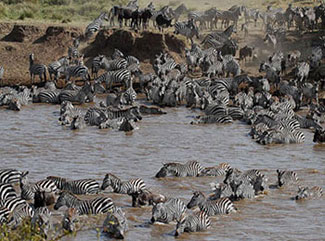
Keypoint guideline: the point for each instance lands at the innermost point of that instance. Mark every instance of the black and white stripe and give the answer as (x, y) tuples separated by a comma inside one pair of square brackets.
[(286, 177), (188, 169), (113, 77), (95, 206), (83, 186), (171, 210), (36, 69), (7, 191), (192, 223), (211, 207), (11, 175), (95, 25)]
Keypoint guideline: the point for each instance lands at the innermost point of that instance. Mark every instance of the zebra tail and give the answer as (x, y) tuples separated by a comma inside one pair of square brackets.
[(88, 77)]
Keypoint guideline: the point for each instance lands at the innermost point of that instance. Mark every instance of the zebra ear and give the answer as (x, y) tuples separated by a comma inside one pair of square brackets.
[(24, 174)]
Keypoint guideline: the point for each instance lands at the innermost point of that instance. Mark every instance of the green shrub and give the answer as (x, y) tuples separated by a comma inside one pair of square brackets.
[(26, 14), (3, 10)]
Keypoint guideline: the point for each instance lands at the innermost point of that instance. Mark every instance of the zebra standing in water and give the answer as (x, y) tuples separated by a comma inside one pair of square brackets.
[(95, 206), (130, 94), (192, 223), (11, 175), (169, 211), (83, 186), (188, 169), (211, 207), (95, 25), (188, 29), (286, 177), (132, 187), (28, 190), (36, 69)]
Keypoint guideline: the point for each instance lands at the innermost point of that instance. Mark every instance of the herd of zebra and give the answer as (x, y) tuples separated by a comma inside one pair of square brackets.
[(223, 91), (21, 200)]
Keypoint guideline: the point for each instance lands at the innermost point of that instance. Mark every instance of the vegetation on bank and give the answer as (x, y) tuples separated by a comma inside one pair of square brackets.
[(55, 10), (85, 10)]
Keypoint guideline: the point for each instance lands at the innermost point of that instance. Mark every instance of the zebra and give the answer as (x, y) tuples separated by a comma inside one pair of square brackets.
[(188, 169), (7, 191), (95, 116), (219, 170), (73, 52), (188, 29), (192, 223), (11, 175), (212, 119), (56, 68), (28, 190), (36, 69), (19, 213), (301, 73), (169, 211), (4, 215), (115, 224), (286, 177), (115, 64), (79, 70), (80, 96), (12, 203), (211, 207), (47, 96), (132, 113), (83, 186), (116, 100), (94, 206), (221, 190), (113, 77), (70, 219), (95, 25), (41, 221), (131, 187), (309, 193)]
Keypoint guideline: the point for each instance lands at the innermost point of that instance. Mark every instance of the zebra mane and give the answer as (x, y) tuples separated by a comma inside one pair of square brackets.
[(68, 194)]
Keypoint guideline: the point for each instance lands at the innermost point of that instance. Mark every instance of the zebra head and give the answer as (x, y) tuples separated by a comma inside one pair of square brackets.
[(63, 200), (70, 219), (115, 224), (108, 181), (158, 212), (42, 222), (181, 225), (303, 192), (162, 172), (197, 199), (229, 176)]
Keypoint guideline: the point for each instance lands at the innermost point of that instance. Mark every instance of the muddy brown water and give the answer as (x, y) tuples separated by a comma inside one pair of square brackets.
[(33, 140)]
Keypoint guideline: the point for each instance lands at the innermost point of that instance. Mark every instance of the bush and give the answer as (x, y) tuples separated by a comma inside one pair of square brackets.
[(26, 14), (3, 10)]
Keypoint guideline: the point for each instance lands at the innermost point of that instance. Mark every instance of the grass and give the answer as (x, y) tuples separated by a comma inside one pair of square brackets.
[(85, 10)]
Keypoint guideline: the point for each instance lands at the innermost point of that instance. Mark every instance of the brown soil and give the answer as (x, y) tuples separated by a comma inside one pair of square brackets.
[(49, 43), (18, 41)]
